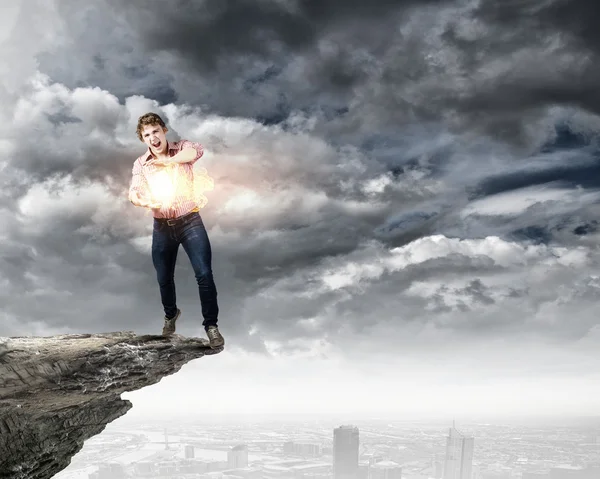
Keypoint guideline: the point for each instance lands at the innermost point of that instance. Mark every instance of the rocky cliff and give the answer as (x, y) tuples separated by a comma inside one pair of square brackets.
[(58, 391)]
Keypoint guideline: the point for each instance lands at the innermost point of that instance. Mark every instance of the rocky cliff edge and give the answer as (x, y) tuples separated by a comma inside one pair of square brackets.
[(58, 391)]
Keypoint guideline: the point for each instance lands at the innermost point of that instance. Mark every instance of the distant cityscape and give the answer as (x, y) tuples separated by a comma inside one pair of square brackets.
[(311, 451)]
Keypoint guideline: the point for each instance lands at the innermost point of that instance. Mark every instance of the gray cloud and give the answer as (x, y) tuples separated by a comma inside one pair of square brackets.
[(389, 122), (469, 292)]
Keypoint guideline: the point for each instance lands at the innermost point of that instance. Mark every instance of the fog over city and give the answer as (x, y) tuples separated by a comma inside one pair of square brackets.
[(326, 447)]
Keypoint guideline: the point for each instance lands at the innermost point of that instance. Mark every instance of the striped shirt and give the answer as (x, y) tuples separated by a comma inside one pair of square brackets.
[(180, 178)]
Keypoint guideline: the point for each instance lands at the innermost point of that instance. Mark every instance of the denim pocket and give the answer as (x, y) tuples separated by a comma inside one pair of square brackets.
[(195, 220), (158, 225)]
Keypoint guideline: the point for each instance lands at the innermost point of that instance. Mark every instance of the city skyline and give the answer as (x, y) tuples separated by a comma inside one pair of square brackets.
[(280, 450)]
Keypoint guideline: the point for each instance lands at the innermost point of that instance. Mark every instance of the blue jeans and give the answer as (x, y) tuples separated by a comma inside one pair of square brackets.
[(188, 231)]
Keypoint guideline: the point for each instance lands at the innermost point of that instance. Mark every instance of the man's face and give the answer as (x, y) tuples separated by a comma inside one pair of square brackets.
[(154, 137)]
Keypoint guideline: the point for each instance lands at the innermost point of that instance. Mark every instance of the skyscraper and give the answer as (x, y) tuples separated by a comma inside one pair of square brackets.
[(345, 452), (189, 451), (459, 455), (237, 457)]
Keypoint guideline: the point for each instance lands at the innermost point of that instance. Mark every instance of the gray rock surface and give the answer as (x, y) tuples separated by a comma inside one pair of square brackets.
[(58, 391)]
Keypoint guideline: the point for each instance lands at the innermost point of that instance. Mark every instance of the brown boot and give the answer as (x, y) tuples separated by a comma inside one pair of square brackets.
[(169, 327), (214, 337)]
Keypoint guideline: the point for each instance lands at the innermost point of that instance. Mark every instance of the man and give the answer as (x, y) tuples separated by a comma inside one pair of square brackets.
[(162, 180)]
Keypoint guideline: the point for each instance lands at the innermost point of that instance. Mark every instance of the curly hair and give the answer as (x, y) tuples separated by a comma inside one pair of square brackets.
[(148, 119)]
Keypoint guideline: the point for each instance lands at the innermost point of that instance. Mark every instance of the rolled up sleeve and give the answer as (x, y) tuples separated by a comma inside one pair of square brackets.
[(138, 180)]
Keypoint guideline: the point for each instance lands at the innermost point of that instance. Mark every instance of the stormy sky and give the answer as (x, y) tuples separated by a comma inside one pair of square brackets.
[(404, 216)]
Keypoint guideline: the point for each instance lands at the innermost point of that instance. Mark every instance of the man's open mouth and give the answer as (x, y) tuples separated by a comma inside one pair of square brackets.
[(156, 144)]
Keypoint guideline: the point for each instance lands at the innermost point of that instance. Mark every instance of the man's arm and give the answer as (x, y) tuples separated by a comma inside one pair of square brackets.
[(138, 190), (190, 152)]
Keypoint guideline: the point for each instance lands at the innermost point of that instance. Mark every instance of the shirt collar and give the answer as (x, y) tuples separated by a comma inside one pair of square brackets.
[(150, 155)]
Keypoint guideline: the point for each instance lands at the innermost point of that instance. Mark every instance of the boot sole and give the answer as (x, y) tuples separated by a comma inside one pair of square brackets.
[(215, 346)]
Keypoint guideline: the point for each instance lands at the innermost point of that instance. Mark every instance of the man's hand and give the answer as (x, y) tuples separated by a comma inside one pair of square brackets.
[(137, 200), (162, 161)]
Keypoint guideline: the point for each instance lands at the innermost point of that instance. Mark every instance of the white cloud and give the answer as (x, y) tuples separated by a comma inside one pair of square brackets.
[(434, 292), (512, 203)]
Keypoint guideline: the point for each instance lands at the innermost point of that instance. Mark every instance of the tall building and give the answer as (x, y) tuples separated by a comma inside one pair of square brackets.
[(459, 455), (345, 452), (237, 457), (189, 451)]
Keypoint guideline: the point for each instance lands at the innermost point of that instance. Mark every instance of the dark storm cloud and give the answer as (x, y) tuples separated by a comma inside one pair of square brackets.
[(204, 31), (579, 168), (475, 67), (235, 58), (551, 55), (576, 18)]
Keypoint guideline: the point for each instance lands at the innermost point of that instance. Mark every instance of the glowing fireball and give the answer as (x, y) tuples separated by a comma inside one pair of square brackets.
[(162, 187), (168, 187)]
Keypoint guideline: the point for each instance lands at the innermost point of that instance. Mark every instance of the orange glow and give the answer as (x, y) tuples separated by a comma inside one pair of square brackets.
[(168, 187), (202, 182), (162, 187)]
